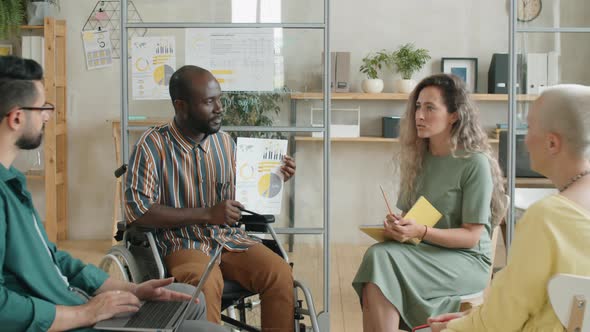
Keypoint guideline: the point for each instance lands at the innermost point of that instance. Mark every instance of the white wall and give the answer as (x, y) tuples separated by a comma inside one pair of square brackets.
[(461, 28)]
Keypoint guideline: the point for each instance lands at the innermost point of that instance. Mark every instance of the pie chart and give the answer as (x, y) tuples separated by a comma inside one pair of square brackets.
[(269, 185), (162, 74)]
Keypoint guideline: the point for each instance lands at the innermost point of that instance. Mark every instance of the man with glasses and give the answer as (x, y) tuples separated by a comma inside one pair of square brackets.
[(42, 288)]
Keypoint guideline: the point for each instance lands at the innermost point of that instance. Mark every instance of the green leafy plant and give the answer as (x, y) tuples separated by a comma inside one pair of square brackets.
[(251, 109), (408, 60), (12, 14), (372, 64)]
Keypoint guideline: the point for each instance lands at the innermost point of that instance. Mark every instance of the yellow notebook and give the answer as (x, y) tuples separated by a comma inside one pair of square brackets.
[(422, 212)]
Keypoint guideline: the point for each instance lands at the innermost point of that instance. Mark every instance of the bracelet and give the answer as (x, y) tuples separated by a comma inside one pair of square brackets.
[(425, 231)]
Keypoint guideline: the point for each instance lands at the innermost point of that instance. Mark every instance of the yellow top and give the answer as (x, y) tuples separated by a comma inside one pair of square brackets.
[(552, 237)]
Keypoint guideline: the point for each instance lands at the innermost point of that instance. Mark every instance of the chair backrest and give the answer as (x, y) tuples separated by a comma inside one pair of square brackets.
[(495, 234), (569, 296)]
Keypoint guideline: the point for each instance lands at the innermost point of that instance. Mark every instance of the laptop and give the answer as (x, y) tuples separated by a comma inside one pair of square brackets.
[(164, 316)]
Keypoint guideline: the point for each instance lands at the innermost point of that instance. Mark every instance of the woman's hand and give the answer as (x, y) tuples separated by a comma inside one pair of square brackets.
[(438, 327), (439, 323), (400, 229)]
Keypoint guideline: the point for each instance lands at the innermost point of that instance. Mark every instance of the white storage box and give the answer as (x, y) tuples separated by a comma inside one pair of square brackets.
[(346, 122)]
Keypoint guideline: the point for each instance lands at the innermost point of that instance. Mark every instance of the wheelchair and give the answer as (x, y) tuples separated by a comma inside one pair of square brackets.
[(137, 259)]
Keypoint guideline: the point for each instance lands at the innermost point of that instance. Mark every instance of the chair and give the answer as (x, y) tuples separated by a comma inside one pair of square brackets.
[(473, 300), (138, 260), (569, 296)]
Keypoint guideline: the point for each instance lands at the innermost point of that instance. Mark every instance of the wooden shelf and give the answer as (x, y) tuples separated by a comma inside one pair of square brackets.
[(35, 175), (147, 122), (32, 27), (533, 183), (348, 139), (54, 174), (520, 182), (399, 96), (368, 139)]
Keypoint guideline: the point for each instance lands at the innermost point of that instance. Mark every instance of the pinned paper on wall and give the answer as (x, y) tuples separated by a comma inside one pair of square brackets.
[(240, 59), (153, 62), (259, 180), (97, 47), (106, 15)]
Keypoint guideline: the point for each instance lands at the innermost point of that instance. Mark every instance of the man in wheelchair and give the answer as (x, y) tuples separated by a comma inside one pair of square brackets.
[(181, 181), (42, 288)]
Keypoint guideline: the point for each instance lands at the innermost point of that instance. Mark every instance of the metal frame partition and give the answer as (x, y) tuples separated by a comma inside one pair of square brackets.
[(515, 29), (323, 318)]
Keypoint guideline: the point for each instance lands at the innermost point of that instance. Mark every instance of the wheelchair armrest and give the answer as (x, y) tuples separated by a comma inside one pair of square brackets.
[(123, 226), (248, 219)]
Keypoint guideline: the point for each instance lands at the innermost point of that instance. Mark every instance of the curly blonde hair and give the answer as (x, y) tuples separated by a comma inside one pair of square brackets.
[(467, 136)]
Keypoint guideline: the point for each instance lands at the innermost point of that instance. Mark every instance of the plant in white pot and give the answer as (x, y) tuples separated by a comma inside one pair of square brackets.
[(371, 66), (37, 10), (408, 60)]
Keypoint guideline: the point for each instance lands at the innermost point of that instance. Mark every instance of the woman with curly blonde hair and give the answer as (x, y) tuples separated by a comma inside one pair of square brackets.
[(445, 157)]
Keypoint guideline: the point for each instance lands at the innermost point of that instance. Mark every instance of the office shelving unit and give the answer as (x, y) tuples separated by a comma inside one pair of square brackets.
[(517, 29), (55, 170)]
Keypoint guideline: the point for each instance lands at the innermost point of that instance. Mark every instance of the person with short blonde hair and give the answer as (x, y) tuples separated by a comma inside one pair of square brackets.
[(552, 236)]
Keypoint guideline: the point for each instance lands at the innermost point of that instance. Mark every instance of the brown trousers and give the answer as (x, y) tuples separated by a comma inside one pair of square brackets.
[(258, 269)]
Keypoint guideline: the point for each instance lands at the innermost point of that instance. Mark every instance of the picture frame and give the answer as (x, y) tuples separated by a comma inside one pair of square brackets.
[(5, 49), (465, 68)]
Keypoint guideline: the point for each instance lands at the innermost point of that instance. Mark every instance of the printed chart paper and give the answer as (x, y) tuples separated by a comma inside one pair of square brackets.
[(153, 61), (97, 47), (240, 59), (259, 181)]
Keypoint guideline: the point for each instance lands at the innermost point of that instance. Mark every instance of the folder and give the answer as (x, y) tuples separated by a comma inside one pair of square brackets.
[(374, 231), (536, 73), (498, 74), (422, 212)]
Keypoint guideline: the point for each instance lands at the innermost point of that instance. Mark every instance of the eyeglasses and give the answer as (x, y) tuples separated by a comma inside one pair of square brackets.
[(45, 107)]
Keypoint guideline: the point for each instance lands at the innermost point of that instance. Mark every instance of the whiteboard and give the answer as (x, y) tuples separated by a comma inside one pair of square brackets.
[(240, 59)]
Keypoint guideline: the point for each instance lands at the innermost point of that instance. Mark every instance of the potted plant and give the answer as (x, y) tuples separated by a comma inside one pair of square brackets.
[(371, 66), (408, 60), (37, 10), (12, 13), (248, 108)]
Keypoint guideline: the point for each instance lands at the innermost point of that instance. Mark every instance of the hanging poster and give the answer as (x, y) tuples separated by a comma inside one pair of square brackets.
[(97, 47), (240, 59), (153, 61)]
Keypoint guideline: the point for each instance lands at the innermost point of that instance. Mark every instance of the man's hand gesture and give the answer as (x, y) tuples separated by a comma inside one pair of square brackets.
[(226, 212)]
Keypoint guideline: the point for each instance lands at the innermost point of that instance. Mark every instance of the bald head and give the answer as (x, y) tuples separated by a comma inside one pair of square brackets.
[(565, 110), (181, 82)]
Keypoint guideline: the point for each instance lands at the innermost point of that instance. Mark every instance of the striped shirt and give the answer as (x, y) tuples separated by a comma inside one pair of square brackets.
[(171, 169)]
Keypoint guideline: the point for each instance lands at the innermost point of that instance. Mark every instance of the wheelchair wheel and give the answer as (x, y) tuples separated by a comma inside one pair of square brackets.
[(120, 264), (247, 312)]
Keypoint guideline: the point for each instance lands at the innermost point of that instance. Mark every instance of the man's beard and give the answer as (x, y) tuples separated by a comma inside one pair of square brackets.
[(30, 143), (202, 127)]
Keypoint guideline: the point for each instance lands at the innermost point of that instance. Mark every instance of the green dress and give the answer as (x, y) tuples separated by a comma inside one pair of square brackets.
[(425, 280)]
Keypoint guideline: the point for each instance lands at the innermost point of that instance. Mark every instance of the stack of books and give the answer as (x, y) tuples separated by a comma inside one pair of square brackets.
[(504, 126), (33, 47)]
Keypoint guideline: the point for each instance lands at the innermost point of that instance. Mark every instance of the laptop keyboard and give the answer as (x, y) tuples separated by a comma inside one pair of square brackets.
[(154, 314)]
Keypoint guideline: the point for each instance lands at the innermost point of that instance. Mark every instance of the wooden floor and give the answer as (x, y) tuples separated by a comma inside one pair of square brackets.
[(345, 313)]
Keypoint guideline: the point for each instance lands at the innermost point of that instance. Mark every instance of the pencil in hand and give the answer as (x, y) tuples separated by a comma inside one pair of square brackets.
[(387, 203)]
